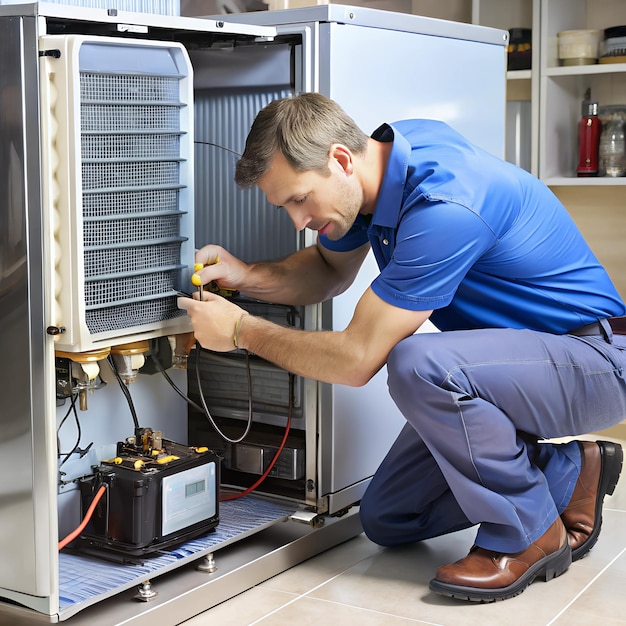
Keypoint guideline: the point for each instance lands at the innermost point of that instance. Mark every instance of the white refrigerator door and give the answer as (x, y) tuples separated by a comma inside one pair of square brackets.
[(383, 75)]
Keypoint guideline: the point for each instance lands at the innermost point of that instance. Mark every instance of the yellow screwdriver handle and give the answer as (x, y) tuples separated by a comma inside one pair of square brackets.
[(195, 279)]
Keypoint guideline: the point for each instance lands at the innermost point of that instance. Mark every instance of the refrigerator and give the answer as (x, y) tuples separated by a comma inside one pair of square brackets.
[(105, 106)]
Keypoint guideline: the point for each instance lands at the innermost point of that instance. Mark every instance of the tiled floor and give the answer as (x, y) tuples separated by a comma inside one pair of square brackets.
[(361, 583)]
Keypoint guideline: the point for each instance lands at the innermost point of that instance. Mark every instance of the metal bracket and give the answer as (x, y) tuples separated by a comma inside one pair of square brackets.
[(308, 517)]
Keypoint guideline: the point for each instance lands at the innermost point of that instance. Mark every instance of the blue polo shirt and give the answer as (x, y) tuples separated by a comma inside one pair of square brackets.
[(480, 241)]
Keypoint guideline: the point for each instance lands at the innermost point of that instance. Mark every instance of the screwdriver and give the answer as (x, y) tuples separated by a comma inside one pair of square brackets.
[(196, 280)]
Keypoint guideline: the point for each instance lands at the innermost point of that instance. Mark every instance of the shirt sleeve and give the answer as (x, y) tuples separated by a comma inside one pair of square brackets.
[(437, 243)]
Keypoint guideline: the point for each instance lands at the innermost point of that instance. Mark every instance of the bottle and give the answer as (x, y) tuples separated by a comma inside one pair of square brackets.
[(613, 144), (589, 129)]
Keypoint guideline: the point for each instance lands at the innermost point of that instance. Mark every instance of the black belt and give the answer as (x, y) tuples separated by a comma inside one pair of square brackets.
[(617, 324)]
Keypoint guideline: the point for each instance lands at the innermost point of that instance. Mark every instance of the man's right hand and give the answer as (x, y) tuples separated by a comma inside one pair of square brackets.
[(226, 270)]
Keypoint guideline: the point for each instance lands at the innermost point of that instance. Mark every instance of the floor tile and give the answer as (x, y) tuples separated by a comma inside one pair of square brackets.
[(361, 583), (323, 567), (396, 582), (243, 609), (601, 603), (311, 612)]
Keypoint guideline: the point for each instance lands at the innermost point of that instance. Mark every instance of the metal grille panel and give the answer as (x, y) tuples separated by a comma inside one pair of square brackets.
[(224, 380), (128, 88), (136, 230), (225, 385), (160, 7), (121, 202), (112, 117), (127, 146), (131, 177), (135, 314), (129, 288), (246, 224), (107, 175), (111, 261)]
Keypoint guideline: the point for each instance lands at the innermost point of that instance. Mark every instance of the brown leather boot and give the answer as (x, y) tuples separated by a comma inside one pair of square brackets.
[(600, 470), (487, 576)]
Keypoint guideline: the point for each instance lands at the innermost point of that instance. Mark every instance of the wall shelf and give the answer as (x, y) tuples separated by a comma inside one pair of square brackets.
[(600, 181), (519, 75)]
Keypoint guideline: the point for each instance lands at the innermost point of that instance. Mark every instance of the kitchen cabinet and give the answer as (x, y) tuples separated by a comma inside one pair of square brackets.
[(597, 204), (562, 89)]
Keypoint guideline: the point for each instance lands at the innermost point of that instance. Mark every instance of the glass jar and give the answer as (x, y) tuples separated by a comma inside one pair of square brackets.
[(612, 141)]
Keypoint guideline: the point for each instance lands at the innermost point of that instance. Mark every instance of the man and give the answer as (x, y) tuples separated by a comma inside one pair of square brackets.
[(530, 348)]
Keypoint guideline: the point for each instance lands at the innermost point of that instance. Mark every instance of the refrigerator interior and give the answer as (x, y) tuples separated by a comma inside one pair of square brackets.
[(338, 435)]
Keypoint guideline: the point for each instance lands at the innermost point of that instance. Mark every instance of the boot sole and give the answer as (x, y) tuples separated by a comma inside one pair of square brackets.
[(610, 470), (547, 568)]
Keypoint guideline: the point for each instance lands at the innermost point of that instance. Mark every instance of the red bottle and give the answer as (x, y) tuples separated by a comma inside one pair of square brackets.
[(589, 129)]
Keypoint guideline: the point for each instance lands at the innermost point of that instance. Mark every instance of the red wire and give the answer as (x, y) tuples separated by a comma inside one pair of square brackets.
[(252, 487), (86, 519)]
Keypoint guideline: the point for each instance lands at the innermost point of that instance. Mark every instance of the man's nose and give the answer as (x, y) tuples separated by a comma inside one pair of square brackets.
[(300, 219)]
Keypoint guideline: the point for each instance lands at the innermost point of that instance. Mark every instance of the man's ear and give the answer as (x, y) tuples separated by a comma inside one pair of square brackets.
[(340, 156)]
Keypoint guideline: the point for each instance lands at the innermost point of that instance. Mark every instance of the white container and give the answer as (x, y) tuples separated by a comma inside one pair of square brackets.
[(579, 47)]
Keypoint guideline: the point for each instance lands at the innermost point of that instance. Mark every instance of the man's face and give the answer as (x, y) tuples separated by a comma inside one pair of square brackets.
[(327, 204)]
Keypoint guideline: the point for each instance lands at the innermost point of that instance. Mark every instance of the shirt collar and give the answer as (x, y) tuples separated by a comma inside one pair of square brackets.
[(391, 192)]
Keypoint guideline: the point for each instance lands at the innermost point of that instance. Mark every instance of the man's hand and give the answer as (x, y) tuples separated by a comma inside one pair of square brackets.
[(308, 276), (214, 320), (220, 266)]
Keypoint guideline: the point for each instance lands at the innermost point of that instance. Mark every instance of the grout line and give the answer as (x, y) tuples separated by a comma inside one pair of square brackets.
[(587, 586), (302, 595), (362, 608), (328, 580)]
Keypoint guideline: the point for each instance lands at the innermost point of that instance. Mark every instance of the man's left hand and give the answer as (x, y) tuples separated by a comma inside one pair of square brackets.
[(213, 320)]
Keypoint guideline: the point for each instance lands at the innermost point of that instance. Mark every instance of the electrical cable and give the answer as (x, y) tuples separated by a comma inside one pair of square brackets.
[(79, 529), (269, 468), (204, 409), (217, 145), (71, 409), (174, 386), (266, 473), (125, 390)]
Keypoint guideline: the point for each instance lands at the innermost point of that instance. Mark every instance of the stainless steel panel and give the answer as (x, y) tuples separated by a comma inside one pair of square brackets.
[(26, 521), (373, 18)]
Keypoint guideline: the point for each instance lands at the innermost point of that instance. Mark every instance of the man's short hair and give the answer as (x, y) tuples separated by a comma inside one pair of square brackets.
[(303, 128)]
